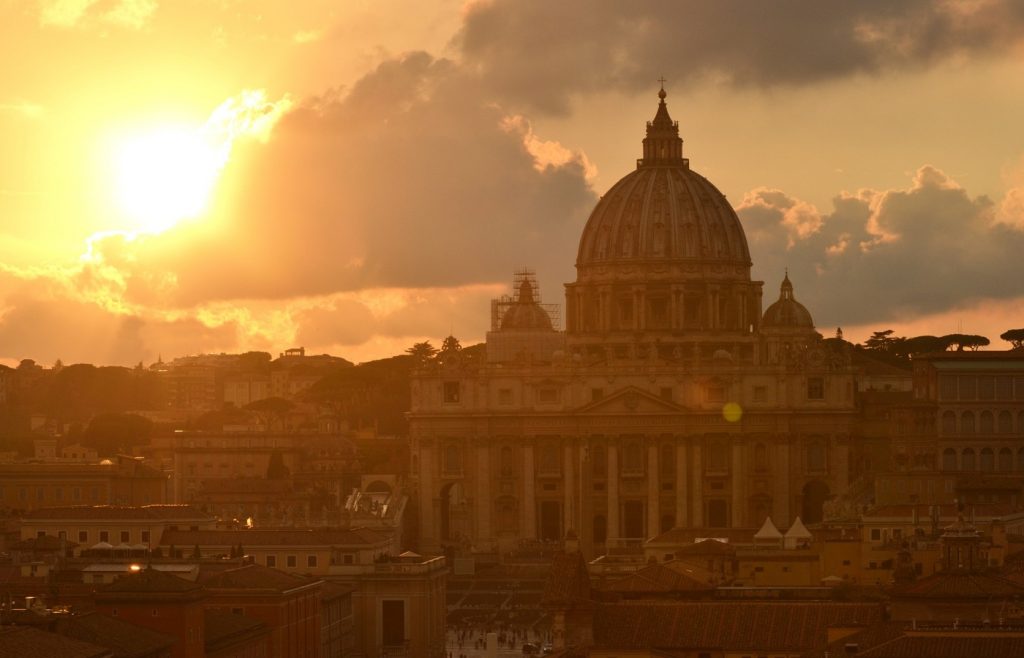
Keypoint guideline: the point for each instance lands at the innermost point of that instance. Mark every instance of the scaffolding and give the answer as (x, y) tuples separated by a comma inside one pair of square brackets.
[(500, 305)]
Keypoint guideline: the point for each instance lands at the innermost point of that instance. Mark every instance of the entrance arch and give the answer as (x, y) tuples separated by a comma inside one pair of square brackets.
[(815, 493)]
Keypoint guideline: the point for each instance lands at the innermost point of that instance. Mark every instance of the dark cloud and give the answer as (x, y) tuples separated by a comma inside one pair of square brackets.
[(410, 179), (82, 332), (540, 53), (880, 256)]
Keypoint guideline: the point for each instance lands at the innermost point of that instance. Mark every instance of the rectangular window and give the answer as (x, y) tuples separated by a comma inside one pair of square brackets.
[(59, 493), (947, 387), (292, 561), (145, 536), (760, 393), (125, 537), (815, 388), (311, 561), (83, 536), (271, 561), (505, 396), (547, 395), (876, 534), (714, 393), (104, 536), (451, 392), (347, 558)]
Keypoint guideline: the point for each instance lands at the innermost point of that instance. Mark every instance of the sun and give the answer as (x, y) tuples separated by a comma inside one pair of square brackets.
[(165, 176)]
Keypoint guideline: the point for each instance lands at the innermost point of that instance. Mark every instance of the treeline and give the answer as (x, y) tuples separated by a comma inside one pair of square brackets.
[(902, 348)]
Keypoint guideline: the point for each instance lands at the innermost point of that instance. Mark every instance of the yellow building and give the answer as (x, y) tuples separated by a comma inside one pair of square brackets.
[(89, 525)]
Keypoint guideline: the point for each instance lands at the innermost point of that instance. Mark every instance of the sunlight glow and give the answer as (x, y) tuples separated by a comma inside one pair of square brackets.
[(166, 176)]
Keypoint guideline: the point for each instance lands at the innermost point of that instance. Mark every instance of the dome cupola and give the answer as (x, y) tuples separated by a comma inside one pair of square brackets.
[(663, 261), (787, 313)]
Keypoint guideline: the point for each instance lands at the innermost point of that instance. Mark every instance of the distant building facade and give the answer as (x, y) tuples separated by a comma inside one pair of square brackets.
[(671, 399)]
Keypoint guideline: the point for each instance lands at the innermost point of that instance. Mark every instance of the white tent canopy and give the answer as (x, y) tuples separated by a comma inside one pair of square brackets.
[(768, 531)]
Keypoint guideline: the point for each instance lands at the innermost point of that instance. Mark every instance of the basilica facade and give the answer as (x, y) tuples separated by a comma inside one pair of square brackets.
[(671, 399)]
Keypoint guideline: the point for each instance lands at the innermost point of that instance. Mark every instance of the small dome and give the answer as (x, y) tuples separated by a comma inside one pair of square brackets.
[(787, 313), (526, 313)]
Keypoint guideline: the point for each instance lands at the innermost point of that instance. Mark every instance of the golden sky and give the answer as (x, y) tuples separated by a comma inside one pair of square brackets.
[(224, 175)]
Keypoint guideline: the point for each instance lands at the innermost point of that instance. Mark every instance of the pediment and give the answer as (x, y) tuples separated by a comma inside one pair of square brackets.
[(630, 400)]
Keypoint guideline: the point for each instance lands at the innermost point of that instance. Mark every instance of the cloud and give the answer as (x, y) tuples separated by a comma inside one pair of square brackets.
[(407, 180), (881, 256), (131, 14), (540, 54)]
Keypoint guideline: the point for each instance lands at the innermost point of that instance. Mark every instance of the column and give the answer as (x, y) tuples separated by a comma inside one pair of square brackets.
[(698, 487), (738, 474), (682, 484), (653, 492), (569, 517), (529, 502), (484, 502), (780, 490), (614, 531), (431, 535)]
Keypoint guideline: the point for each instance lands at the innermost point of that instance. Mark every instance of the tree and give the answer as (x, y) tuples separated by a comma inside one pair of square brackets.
[(1015, 337), (970, 341), (422, 351), (111, 434), (881, 341), (271, 409)]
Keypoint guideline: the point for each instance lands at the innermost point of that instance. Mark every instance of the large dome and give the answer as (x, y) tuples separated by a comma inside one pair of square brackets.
[(664, 212)]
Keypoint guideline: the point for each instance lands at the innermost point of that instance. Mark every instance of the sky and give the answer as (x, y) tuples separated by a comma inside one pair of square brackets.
[(353, 177)]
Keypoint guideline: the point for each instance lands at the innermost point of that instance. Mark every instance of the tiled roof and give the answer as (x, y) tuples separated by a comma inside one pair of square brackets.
[(568, 582), (273, 537), (25, 642), (221, 627), (960, 586), (730, 626), (255, 576), (116, 512), (123, 639), (150, 580), (667, 577)]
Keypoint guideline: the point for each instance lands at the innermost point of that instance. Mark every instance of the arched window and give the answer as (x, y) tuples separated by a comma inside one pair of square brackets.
[(549, 460), (949, 462), (668, 461), (1005, 459), (967, 460), (967, 422), (760, 457), (599, 462), (600, 529), (987, 422), (1005, 422), (816, 456), (507, 463), (988, 459), (452, 459), (948, 423), (1020, 459), (632, 459), (1020, 422)]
